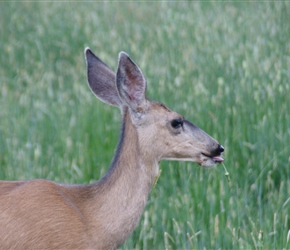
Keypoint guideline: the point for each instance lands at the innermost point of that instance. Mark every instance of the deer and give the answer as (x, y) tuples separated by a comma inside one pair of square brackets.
[(42, 214)]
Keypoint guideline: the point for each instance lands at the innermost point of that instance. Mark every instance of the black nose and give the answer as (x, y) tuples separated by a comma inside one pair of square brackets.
[(220, 149)]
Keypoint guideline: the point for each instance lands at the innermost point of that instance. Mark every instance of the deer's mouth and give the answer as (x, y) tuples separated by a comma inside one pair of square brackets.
[(210, 160), (217, 159)]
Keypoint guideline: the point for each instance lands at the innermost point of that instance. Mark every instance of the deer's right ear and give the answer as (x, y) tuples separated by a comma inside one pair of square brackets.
[(131, 83), (102, 80)]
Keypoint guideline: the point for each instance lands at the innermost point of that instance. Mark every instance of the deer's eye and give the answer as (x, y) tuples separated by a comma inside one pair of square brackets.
[(176, 123)]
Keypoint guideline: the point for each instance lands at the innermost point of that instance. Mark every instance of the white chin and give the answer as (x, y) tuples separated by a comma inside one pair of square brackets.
[(208, 163), (203, 161)]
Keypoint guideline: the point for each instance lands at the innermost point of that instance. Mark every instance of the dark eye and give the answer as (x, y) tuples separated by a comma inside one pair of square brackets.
[(177, 123)]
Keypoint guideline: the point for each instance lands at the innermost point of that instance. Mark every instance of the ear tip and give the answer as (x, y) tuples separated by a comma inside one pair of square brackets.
[(87, 51), (123, 55)]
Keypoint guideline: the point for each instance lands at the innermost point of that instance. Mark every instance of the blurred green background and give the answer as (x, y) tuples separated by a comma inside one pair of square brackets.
[(224, 65)]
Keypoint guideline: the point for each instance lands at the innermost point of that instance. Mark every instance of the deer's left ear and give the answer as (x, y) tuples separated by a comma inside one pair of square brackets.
[(101, 80), (131, 83)]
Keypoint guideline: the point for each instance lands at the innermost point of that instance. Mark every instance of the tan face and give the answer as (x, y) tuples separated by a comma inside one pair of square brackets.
[(173, 138)]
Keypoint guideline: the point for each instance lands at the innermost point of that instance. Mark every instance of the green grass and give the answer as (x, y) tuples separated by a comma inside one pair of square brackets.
[(224, 65)]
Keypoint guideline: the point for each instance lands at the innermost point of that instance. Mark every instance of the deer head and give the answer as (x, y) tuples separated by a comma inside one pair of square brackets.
[(162, 133)]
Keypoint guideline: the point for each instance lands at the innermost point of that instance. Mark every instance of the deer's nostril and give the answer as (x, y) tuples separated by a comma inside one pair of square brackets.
[(218, 151), (221, 148)]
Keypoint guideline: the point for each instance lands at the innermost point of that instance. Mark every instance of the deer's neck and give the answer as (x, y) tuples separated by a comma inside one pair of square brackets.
[(123, 192), (131, 160)]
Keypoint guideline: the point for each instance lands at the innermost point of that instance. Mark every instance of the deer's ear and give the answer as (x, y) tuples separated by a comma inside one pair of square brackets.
[(131, 83), (102, 80)]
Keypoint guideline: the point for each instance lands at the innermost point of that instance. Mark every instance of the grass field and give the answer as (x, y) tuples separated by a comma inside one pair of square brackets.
[(224, 65)]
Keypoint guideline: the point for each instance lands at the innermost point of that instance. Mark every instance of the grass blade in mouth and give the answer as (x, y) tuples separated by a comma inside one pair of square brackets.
[(226, 173)]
